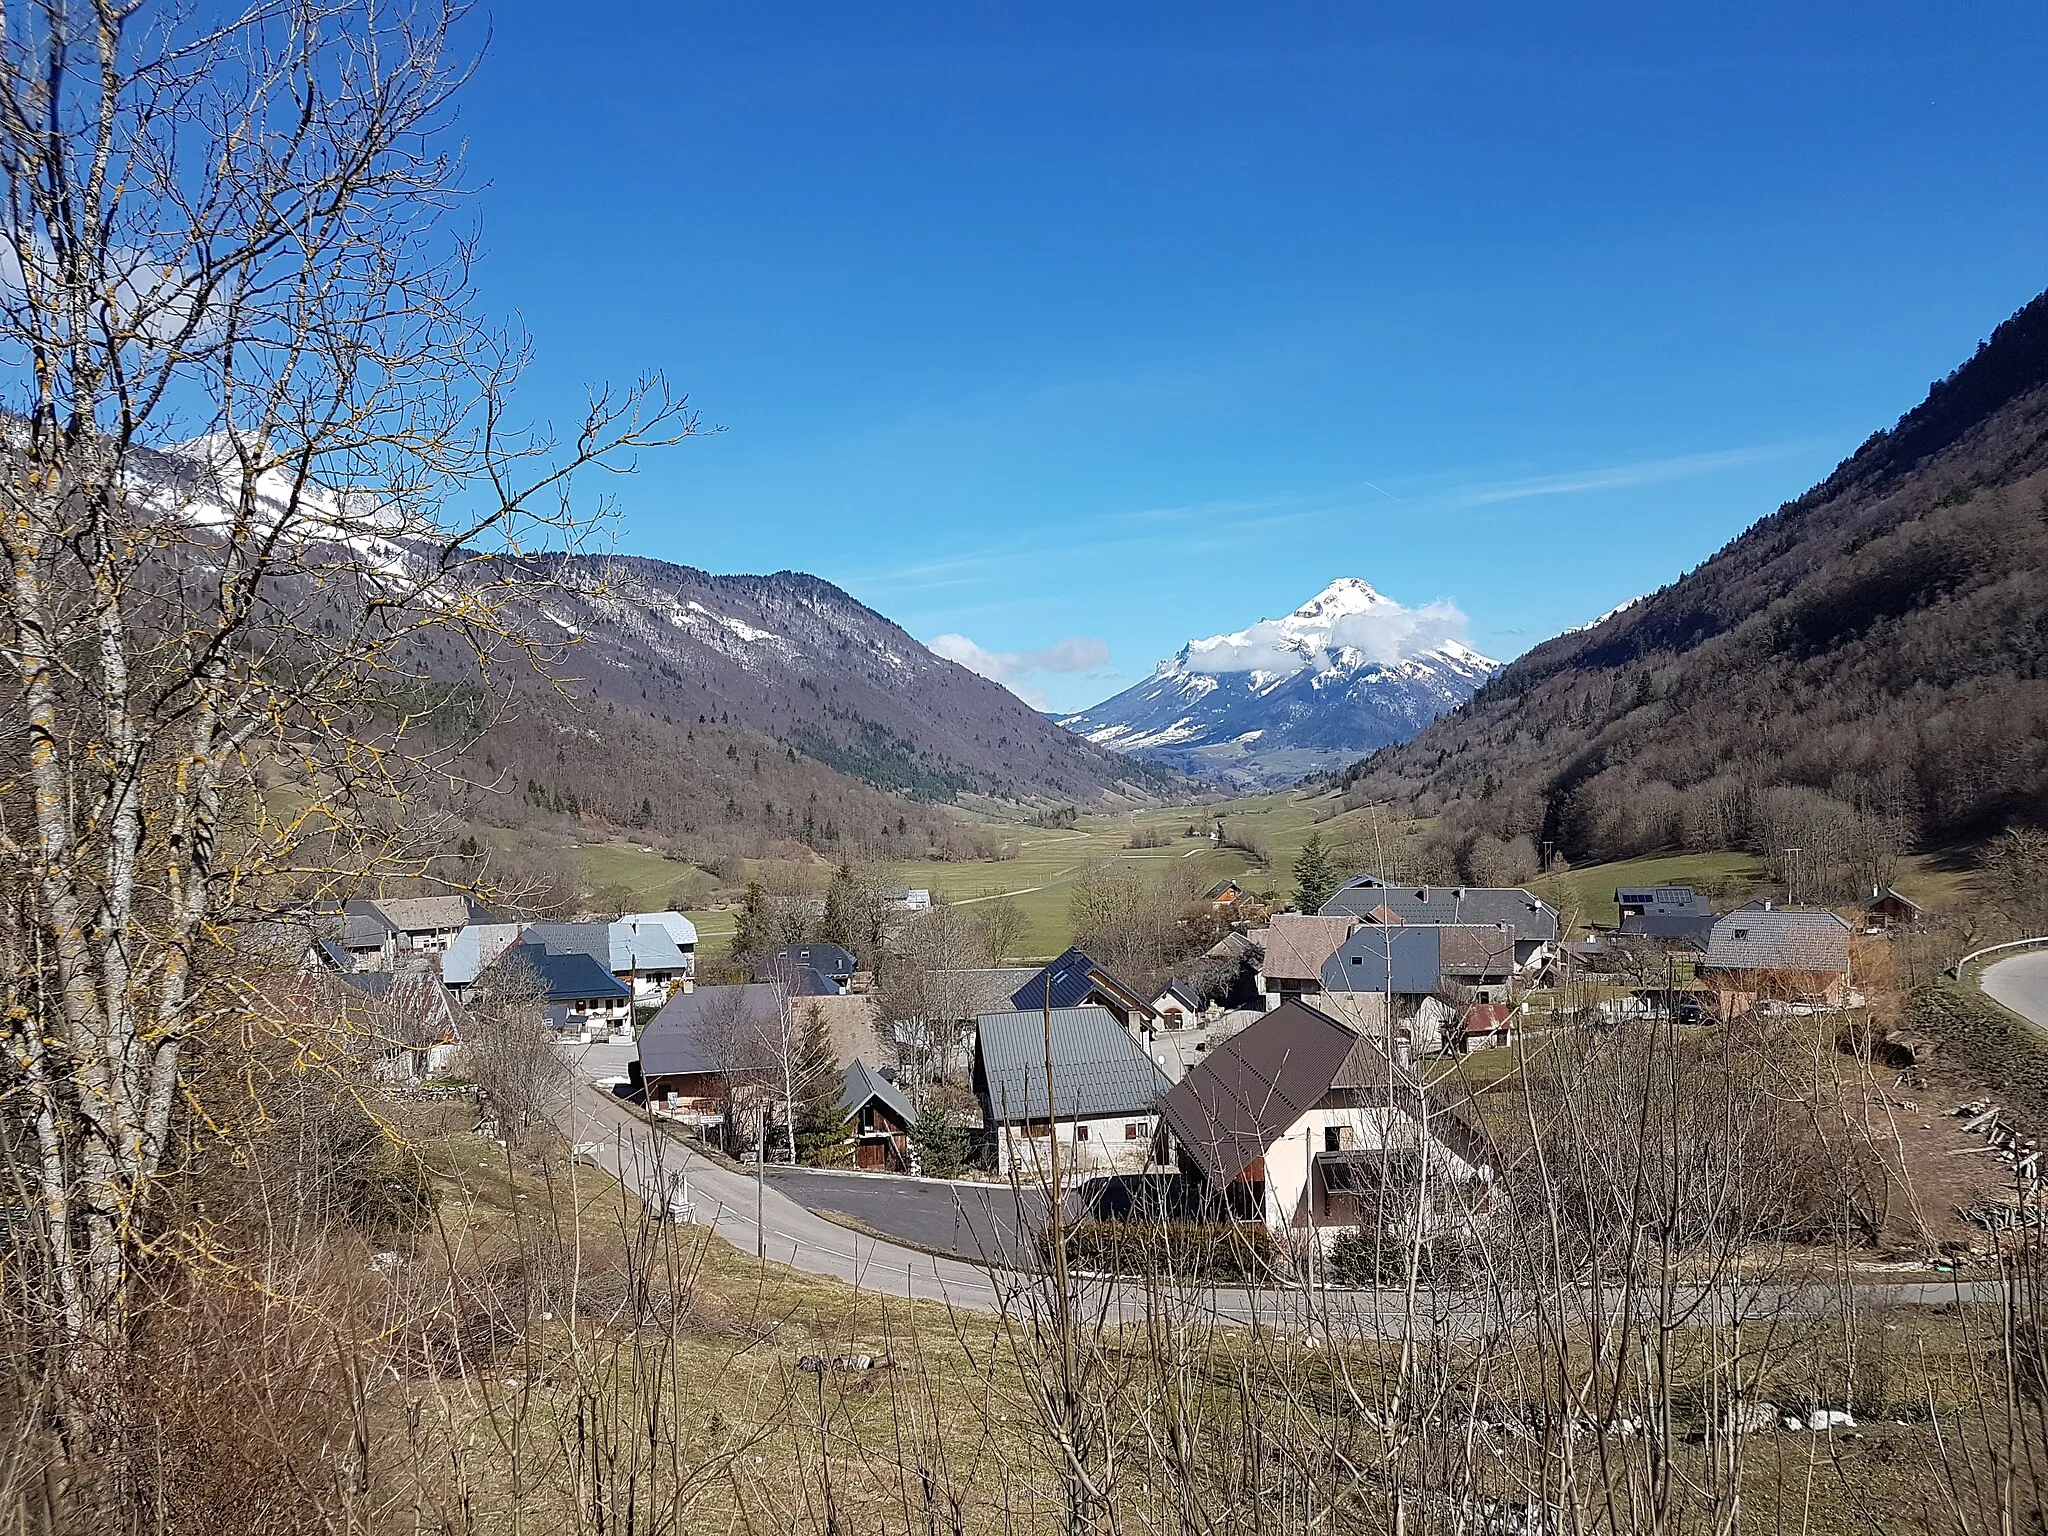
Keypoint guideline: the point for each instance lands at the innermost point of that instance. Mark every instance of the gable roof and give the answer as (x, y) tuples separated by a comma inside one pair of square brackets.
[(567, 978), (1069, 982), (677, 926), (431, 914), (1759, 940), (828, 960), (1890, 893), (619, 946), (712, 1030), (1297, 944), (1375, 959), (364, 925), (1248, 1091), (1097, 1068), (1488, 1018), (1182, 992), (1469, 949), (1664, 900), (864, 1083), (1245, 1092), (1690, 928), (1532, 919), (474, 950)]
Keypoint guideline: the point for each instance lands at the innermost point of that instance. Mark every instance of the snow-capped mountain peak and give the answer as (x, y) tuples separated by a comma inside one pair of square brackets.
[(1348, 671)]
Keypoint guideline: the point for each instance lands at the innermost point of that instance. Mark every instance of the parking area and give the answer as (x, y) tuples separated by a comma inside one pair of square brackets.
[(967, 1221), (603, 1062)]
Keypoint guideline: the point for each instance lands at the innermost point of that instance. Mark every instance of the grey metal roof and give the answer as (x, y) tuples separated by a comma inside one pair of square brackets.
[(1664, 900), (713, 1029), (828, 960), (1377, 959), (618, 947), (571, 977), (1531, 918), (1097, 1069), (1690, 928), (473, 950), (864, 1083), (1758, 940)]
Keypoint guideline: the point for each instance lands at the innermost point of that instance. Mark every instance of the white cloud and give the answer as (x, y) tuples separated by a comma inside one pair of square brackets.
[(1013, 669), (1386, 633)]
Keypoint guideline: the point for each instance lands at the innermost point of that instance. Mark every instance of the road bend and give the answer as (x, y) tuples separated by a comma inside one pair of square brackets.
[(2020, 982)]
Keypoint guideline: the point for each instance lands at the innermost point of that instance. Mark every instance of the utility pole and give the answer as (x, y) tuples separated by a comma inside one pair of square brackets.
[(760, 1185), (1792, 876)]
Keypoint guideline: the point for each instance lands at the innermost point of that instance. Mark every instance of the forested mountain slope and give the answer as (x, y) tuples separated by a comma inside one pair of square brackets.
[(1865, 668), (723, 712)]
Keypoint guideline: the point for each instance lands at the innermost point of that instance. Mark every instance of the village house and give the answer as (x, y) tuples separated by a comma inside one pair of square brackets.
[(1675, 916), (1307, 1126), (579, 995), (1076, 981), (681, 931), (1179, 1006), (1102, 1115), (1487, 1027), (1532, 921), (1887, 909), (811, 970), (644, 956), (878, 1115), (1761, 956), (1295, 948), (706, 1057), (1382, 983)]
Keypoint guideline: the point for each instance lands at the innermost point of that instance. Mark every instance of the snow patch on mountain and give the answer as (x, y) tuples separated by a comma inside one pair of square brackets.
[(1347, 672)]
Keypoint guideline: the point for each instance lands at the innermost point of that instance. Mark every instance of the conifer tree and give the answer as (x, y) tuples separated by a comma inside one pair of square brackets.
[(1315, 874)]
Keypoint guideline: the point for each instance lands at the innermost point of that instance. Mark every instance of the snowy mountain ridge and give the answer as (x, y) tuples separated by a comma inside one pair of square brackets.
[(1348, 671)]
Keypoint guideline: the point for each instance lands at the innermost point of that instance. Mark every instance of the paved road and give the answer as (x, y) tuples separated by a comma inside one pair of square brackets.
[(967, 1221), (2021, 983), (614, 1136)]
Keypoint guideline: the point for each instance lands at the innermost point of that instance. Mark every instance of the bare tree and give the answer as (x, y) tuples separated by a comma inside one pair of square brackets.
[(518, 1069), (259, 458)]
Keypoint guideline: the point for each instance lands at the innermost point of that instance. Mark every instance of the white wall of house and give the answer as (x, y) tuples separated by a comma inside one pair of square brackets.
[(1087, 1148), (1290, 1162)]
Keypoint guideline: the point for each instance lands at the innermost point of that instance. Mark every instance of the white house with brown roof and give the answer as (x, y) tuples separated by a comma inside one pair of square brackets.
[(1307, 1126)]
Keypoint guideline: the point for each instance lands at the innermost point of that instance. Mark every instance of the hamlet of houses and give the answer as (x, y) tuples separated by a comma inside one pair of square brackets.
[(1289, 1092)]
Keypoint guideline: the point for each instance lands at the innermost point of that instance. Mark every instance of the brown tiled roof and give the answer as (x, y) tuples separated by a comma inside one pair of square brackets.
[(1297, 945), (1383, 915), (1473, 950)]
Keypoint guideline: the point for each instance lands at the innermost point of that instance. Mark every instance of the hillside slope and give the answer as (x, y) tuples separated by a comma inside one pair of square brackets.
[(1863, 669), (1345, 672)]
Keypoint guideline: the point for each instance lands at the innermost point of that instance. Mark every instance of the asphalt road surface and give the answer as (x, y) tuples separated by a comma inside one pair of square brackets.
[(966, 1221), (662, 1170), (2021, 983)]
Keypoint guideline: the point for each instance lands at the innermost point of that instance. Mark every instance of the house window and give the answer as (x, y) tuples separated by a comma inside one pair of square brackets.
[(1130, 1130), (1080, 1133), (1333, 1139)]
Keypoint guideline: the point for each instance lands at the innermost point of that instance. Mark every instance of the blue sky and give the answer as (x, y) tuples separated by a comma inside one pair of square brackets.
[(1081, 330)]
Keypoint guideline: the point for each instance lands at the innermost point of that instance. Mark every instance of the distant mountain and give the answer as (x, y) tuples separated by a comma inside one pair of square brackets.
[(1347, 671), (1865, 667), (795, 658), (716, 714)]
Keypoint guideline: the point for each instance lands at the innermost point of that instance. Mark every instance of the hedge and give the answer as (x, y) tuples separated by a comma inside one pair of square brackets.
[(1224, 1252)]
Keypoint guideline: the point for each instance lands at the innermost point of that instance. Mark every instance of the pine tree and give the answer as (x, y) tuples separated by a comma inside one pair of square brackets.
[(1315, 874), (820, 1128), (939, 1143)]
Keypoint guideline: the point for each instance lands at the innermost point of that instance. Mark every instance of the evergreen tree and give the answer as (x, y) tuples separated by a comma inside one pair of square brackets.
[(1315, 874), (939, 1143), (820, 1129), (754, 938)]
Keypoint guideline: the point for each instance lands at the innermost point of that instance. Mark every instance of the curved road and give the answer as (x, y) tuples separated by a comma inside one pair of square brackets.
[(2021, 983), (613, 1135)]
